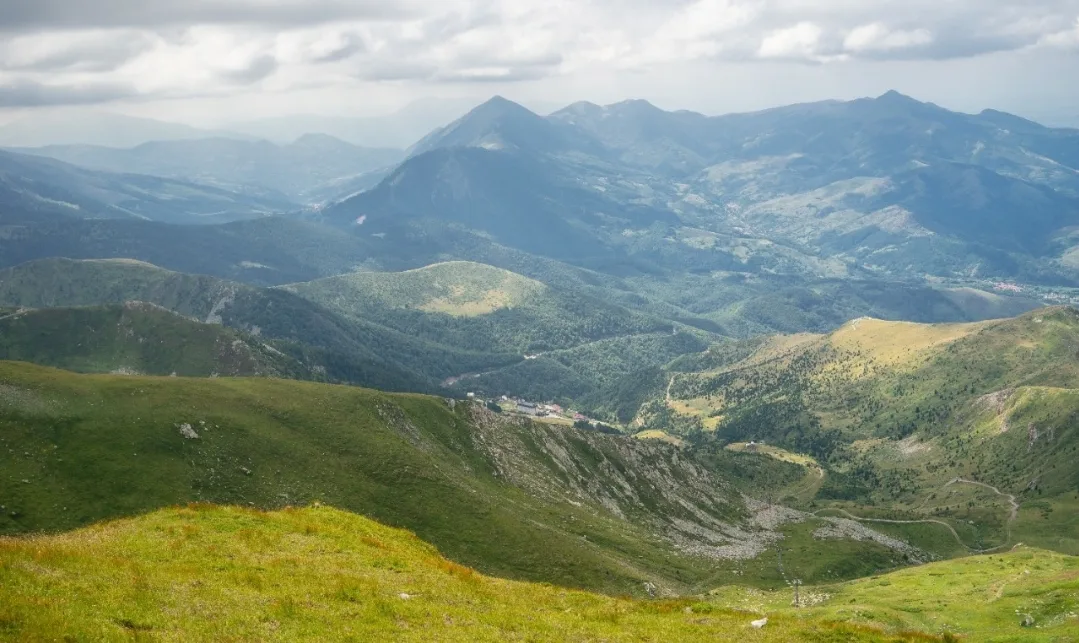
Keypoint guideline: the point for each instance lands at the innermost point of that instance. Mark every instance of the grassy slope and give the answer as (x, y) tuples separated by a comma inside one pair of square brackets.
[(510, 497), (474, 306), (205, 573), (899, 410), (137, 338), (355, 351)]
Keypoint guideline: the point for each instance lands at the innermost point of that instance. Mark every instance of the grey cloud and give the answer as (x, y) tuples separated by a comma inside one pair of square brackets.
[(382, 70), (32, 94), (100, 56), (352, 45), (255, 71), (23, 15)]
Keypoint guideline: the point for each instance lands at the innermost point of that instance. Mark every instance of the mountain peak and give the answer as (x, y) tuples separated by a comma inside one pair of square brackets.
[(893, 96), (637, 105)]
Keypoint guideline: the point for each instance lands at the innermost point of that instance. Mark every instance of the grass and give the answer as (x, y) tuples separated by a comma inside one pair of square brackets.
[(137, 338), (205, 573), (979, 598), (456, 288), (895, 411)]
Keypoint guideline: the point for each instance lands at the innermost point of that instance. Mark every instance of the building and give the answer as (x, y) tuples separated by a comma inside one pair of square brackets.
[(528, 408)]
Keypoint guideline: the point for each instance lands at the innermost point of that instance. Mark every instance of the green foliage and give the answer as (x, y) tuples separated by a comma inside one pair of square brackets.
[(84, 448), (137, 338), (320, 574)]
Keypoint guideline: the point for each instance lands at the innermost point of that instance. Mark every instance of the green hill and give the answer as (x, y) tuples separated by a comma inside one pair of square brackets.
[(512, 498), (967, 428), (209, 573), (136, 338), (352, 350), (474, 306)]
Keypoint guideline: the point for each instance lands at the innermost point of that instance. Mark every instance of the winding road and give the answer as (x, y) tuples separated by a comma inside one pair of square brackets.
[(1011, 517)]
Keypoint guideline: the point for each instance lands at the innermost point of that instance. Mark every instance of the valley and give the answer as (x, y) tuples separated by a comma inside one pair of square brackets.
[(612, 373)]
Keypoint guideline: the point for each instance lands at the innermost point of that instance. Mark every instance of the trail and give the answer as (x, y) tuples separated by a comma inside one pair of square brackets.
[(1011, 499), (669, 385), (1011, 517)]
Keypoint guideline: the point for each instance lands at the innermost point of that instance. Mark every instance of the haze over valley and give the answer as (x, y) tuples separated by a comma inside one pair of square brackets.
[(291, 350)]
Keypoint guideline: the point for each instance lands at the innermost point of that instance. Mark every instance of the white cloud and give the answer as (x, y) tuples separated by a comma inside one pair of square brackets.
[(876, 37), (801, 41), (1067, 39), (217, 47)]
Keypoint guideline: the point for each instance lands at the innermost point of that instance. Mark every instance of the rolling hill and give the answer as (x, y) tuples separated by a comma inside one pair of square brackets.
[(969, 424), (476, 307), (510, 497), (320, 573), (137, 338), (351, 350)]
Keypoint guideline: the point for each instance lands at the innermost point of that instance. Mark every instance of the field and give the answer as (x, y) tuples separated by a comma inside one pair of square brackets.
[(210, 573)]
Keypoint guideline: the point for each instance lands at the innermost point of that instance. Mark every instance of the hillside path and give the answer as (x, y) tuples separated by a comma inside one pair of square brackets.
[(1011, 518)]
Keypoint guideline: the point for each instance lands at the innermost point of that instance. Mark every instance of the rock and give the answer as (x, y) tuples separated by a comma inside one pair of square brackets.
[(187, 431), (1028, 621), (688, 610), (758, 624), (403, 596), (649, 588), (246, 471)]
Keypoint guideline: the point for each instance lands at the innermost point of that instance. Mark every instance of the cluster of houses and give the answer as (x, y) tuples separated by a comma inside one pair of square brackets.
[(532, 409)]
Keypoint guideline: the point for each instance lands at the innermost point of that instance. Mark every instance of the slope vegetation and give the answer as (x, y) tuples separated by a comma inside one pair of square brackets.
[(477, 307), (973, 425), (208, 573), (352, 350), (509, 497), (137, 338)]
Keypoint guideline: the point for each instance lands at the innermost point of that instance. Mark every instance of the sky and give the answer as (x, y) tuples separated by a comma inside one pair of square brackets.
[(207, 62)]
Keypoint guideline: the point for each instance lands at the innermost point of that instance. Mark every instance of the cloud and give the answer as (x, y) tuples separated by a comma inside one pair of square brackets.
[(217, 47), (801, 42), (252, 71), (875, 38), (25, 93), (19, 15), (83, 51)]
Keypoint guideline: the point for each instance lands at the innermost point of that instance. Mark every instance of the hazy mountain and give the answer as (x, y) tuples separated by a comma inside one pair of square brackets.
[(79, 126), (501, 124), (35, 184), (397, 130), (296, 170)]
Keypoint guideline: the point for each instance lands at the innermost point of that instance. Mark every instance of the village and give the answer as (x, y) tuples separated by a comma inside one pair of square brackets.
[(548, 412)]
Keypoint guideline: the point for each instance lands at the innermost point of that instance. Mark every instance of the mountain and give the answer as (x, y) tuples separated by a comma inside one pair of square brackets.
[(396, 130), (521, 201), (79, 126), (921, 419), (360, 595), (510, 497), (887, 187), (500, 124), (348, 350), (29, 184), (292, 171), (137, 338)]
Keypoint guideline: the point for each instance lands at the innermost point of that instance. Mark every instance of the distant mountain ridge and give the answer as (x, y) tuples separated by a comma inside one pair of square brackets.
[(299, 171), (31, 184), (909, 189)]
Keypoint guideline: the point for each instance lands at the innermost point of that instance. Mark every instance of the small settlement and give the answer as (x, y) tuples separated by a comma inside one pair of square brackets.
[(521, 406)]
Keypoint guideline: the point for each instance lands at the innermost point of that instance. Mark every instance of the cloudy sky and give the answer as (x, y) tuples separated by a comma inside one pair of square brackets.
[(206, 61)]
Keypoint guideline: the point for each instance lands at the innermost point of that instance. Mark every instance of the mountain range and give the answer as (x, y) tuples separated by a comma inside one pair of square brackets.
[(614, 349)]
